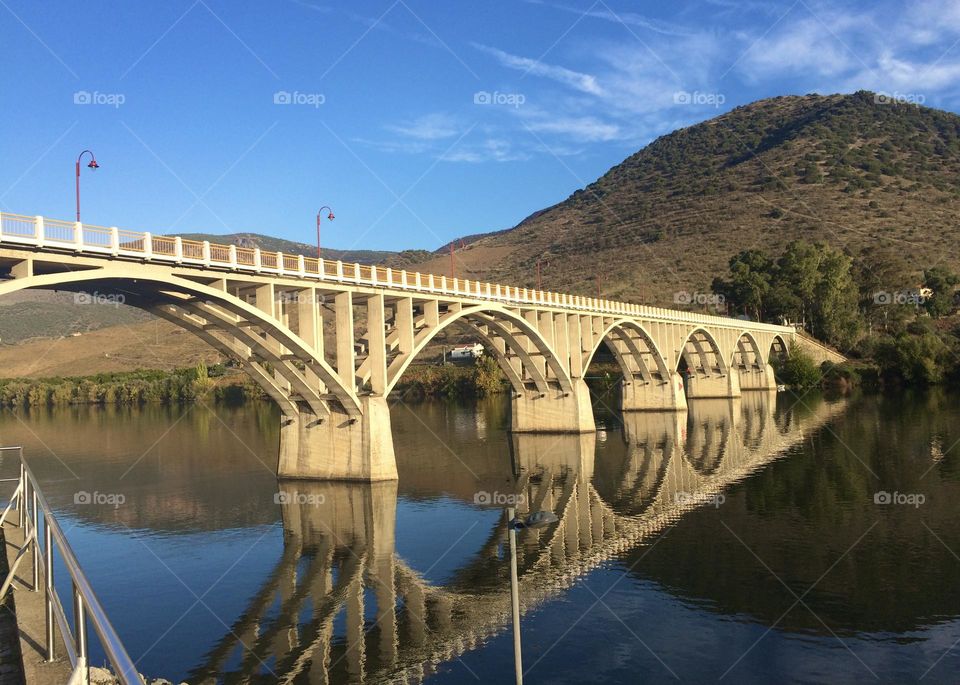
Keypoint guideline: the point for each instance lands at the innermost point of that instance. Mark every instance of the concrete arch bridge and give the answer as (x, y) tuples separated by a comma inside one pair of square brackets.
[(292, 323)]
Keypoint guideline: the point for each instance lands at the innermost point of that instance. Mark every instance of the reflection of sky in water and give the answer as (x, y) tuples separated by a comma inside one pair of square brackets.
[(149, 585), (437, 537), (659, 634)]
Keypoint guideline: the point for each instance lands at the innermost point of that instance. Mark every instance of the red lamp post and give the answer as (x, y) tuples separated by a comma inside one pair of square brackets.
[(92, 165), (330, 217), (539, 280)]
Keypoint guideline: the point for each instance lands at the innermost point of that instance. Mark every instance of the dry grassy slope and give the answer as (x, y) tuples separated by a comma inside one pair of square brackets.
[(837, 168), (154, 344)]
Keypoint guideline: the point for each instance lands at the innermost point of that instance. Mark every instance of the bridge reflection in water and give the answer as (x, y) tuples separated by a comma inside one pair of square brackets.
[(341, 605)]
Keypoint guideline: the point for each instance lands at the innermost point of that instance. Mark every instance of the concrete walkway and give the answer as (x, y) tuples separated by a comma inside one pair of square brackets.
[(31, 621)]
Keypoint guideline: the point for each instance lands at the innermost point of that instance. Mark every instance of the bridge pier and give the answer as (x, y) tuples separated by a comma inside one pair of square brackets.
[(653, 395), (556, 411), (716, 386), (755, 378), (339, 446)]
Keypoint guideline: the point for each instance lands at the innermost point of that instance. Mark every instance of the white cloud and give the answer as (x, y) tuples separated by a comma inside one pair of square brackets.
[(929, 21), (427, 127), (627, 18), (490, 150), (588, 128), (585, 83), (802, 47)]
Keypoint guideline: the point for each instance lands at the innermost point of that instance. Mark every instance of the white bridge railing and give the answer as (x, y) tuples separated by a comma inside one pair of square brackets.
[(40, 232)]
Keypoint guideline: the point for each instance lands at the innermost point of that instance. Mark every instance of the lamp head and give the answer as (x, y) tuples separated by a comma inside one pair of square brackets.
[(330, 215), (538, 519), (93, 164)]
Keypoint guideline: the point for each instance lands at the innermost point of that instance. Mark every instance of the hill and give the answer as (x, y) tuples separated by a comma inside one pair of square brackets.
[(153, 344), (269, 243), (858, 172), (45, 314)]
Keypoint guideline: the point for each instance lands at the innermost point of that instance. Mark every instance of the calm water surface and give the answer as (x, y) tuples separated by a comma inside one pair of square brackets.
[(740, 541)]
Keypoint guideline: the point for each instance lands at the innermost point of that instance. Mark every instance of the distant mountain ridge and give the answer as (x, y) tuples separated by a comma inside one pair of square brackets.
[(266, 242)]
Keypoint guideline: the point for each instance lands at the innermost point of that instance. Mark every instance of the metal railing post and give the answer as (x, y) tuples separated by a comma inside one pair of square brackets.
[(34, 554), (23, 484), (48, 584), (80, 630)]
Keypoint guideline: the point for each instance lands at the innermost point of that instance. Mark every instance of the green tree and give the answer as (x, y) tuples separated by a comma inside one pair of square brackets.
[(749, 283), (836, 316), (796, 280), (943, 283), (919, 357), (880, 273)]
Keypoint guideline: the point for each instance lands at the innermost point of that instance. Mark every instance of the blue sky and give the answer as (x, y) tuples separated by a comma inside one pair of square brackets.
[(417, 121)]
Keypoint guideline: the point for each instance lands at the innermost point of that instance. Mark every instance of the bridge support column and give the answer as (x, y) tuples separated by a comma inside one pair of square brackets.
[(753, 378), (554, 412), (339, 447), (716, 386), (653, 395)]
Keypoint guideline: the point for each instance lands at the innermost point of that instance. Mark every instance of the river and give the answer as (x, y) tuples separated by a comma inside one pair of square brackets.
[(766, 539)]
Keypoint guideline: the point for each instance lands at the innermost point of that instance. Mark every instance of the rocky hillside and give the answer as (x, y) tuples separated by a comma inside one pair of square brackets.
[(859, 174)]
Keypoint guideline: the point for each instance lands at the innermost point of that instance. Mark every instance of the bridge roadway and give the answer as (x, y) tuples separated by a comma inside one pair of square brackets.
[(342, 605), (328, 341)]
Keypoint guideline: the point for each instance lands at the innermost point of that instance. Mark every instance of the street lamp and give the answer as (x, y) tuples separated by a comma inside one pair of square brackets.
[(537, 519), (539, 280), (92, 165), (331, 218)]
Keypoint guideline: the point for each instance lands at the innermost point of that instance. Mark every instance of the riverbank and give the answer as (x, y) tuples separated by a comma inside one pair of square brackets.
[(219, 383), (223, 384), (215, 383)]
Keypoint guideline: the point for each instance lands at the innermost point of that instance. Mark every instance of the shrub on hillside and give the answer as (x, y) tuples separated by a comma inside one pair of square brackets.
[(799, 370)]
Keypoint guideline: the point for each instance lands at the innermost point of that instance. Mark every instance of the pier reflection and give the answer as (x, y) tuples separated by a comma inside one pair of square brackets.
[(343, 606)]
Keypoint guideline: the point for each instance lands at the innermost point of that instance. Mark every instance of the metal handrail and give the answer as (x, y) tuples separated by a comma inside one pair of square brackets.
[(204, 254), (86, 606)]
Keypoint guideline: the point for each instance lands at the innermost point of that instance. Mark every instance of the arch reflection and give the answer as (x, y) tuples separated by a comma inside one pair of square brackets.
[(341, 605)]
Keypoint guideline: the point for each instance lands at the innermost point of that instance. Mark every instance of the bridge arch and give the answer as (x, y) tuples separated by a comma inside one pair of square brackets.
[(201, 307), (630, 342), (701, 352), (747, 353), (778, 350), (504, 333)]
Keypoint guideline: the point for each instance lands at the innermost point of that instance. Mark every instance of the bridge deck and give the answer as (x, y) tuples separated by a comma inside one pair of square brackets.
[(55, 234)]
